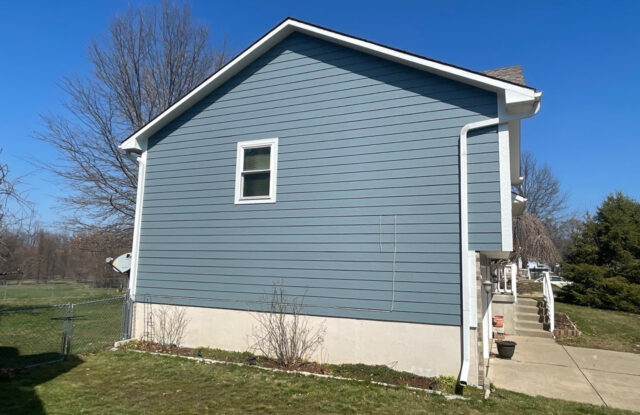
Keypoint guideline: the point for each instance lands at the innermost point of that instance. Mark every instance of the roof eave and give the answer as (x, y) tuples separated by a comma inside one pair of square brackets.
[(516, 96)]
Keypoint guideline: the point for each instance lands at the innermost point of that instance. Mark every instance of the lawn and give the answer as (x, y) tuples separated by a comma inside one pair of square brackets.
[(51, 293), (602, 329), (129, 382), (34, 334)]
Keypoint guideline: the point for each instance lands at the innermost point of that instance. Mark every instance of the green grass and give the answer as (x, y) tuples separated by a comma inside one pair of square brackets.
[(126, 382), (33, 335), (602, 329), (52, 293)]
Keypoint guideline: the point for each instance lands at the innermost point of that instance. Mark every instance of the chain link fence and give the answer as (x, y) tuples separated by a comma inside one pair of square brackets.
[(17, 293), (35, 335)]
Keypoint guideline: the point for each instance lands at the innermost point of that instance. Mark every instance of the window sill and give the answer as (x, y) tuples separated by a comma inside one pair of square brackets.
[(254, 201)]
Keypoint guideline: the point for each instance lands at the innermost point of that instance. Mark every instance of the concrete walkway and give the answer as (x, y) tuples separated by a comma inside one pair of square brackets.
[(543, 367)]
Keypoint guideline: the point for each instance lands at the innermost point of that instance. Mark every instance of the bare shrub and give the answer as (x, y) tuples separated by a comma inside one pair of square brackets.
[(169, 325), (283, 333)]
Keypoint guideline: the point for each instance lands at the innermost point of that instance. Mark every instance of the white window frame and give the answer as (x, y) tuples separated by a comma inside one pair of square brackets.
[(273, 170)]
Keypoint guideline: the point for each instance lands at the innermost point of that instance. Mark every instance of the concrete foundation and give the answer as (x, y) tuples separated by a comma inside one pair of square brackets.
[(427, 350)]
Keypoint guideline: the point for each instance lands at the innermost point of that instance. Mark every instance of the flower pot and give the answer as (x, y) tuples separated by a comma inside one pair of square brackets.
[(506, 348)]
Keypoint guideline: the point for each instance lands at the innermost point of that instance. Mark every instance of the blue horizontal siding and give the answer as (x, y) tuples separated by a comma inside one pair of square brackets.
[(368, 165), (485, 234)]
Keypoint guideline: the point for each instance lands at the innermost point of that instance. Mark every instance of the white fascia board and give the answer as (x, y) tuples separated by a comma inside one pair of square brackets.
[(515, 95)]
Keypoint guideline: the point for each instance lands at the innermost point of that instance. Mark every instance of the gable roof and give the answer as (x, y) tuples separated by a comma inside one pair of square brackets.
[(515, 93), (511, 74)]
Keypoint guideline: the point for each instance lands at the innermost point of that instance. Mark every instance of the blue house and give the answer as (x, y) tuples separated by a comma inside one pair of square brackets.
[(373, 182)]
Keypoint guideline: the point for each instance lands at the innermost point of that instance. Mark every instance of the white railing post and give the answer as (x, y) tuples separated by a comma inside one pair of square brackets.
[(547, 290), (514, 285)]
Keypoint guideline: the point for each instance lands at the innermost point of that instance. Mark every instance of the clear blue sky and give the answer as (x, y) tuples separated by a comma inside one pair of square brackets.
[(584, 55)]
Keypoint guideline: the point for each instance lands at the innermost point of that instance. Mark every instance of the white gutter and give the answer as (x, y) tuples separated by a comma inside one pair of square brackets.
[(464, 222)]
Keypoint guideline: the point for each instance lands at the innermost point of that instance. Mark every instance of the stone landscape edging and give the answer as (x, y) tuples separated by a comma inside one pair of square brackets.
[(298, 372)]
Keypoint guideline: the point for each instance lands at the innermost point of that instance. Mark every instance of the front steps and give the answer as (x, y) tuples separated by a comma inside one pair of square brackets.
[(529, 319)]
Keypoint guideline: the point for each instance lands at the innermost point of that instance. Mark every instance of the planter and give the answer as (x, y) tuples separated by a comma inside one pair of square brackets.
[(498, 321), (506, 348)]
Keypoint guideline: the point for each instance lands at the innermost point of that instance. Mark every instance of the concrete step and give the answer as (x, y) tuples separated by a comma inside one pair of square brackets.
[(533, 333), (503, 298), (526, 325), (528, 301), (524, 309), (528, 317)]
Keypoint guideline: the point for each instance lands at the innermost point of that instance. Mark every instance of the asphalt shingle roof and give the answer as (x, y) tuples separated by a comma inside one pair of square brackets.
[(511, 74)]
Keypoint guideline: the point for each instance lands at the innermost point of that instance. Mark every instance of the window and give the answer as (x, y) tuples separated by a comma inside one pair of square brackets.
[(256, 171)]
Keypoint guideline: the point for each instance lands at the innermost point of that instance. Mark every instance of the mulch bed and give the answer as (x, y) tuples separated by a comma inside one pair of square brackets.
[(156, 348), (398, 378)]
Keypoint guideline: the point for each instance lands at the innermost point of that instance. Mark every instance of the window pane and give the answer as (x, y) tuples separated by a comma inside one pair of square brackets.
[(257, 158), (256, 184)]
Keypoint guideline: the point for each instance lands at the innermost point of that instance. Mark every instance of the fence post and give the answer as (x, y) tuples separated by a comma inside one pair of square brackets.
[(125, 325), (67, 330)]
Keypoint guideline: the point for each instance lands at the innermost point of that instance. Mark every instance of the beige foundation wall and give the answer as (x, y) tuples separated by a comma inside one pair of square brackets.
[(427, 350)]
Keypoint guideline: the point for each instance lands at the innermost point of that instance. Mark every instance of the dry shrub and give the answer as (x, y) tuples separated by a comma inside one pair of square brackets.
[(169, 326), (283, 333)]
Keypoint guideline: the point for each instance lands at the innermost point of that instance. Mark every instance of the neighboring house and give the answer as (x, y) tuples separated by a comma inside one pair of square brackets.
[(364, 178)]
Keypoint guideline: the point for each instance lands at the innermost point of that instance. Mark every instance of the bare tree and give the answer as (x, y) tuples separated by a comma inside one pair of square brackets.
[(283, 333), (545, 198), (562, 231), (532, 240), (537, 232), (150, 58), (14, 210)]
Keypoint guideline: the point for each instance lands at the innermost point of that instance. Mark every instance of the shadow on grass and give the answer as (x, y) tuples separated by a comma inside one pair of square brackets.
[(17, 386)]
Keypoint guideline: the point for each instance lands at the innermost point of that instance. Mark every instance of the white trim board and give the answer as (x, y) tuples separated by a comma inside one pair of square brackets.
[(272, 143), (137, 224), (517, 98), (505, 187)]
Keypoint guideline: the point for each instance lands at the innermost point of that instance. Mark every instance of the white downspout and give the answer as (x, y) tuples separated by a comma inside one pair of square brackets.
[(464, 222), (464, 244)]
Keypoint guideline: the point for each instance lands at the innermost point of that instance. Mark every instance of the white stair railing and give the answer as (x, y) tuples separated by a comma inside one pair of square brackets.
[(547, 291)]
